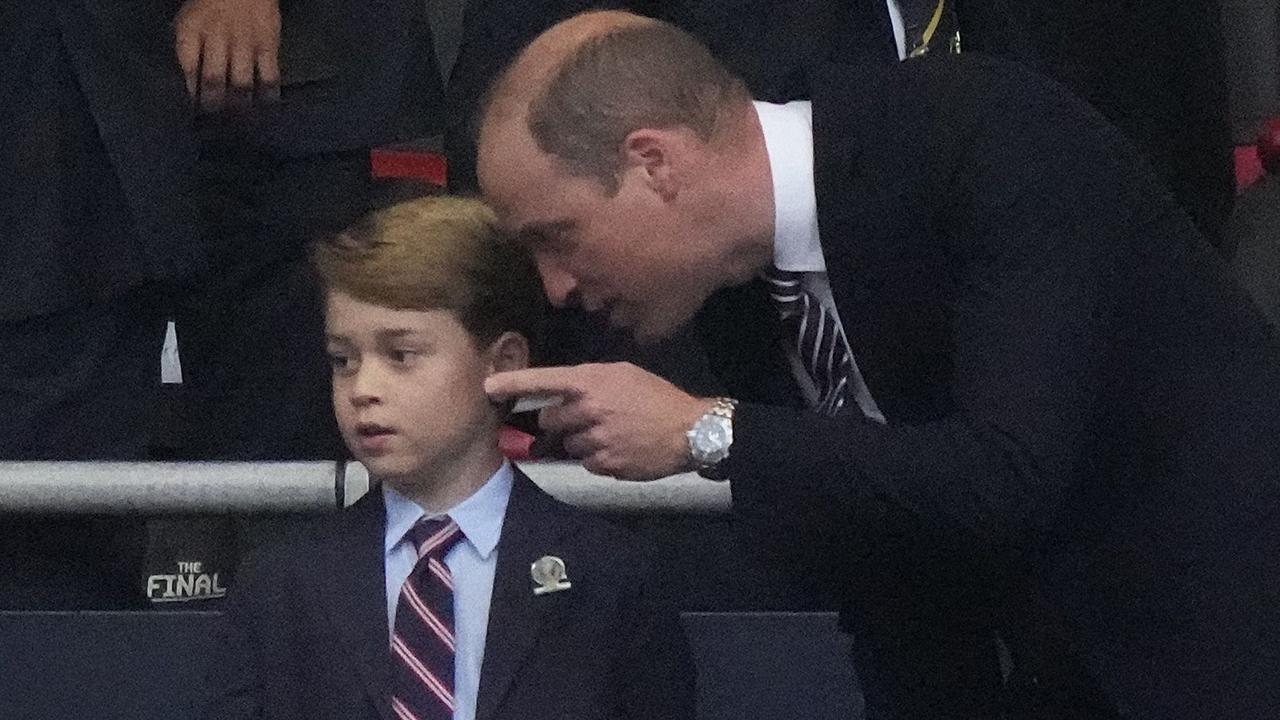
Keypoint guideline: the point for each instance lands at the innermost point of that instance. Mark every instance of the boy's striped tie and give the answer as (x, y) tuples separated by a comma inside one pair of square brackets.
[(423, 644)]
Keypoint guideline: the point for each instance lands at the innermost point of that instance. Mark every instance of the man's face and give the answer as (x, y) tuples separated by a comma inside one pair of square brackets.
[(631, 256), (408, 390)]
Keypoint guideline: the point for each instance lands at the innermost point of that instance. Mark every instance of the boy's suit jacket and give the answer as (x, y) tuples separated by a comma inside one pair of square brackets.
[(1079, 465), (306, 633)]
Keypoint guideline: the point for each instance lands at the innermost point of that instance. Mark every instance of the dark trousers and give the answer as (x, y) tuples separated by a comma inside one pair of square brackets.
[(256, 383), (81, 384)]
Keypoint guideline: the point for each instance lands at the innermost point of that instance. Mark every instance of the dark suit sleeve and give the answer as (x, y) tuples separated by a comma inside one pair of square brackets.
[(235, 671), (656, 673), (1039, 199)]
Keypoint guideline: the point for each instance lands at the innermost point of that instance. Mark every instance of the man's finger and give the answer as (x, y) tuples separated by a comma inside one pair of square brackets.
[(240, 85), (563, 419), (213, 73), (269, 72), (187, 47), (580, 445), (595, 465), (565, 381)]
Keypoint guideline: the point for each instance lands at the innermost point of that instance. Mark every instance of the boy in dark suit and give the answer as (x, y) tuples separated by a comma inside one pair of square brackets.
[(455, 588)]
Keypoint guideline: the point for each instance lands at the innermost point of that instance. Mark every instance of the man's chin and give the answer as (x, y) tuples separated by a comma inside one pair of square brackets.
[(653, 331), (646, 338)]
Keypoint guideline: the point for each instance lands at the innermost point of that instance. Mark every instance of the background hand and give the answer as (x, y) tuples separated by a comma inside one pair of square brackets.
[(229, 51)]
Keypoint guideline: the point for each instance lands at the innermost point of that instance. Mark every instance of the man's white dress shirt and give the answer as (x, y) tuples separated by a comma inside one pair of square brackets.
[(788, 139)]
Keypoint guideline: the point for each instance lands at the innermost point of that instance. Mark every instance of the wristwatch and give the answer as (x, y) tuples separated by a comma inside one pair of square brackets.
[(711, 437)]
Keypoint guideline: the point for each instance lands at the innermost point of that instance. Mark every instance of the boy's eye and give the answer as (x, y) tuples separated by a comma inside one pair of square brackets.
[(339, 362)]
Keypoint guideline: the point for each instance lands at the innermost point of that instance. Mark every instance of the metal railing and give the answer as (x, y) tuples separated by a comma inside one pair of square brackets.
[(272, 487)]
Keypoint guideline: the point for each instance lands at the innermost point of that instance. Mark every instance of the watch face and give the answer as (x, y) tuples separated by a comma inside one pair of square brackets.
[(716, 435), (711, 439)]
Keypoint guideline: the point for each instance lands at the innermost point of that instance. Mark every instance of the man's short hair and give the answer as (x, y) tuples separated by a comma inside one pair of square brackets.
[(647, 75), (437, 253)]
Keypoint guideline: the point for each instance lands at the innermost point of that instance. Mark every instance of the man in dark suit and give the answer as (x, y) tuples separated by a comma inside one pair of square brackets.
[(455, 588), (1036, 460)]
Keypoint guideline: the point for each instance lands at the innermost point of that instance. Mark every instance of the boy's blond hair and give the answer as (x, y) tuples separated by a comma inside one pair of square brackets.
[(437, 253)]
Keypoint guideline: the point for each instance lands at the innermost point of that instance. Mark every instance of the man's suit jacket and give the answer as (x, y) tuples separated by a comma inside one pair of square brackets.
[(306, 628), (1156, 70), (1074, 509)]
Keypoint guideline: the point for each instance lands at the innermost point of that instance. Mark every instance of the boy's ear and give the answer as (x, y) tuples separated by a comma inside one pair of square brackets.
[(510, 351)]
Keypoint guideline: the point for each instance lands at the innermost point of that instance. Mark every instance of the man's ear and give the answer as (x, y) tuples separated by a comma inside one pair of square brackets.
[(510, 351), (653, 155)]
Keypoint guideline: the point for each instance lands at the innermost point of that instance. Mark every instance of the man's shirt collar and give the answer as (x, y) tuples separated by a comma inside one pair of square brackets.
[(788, 139)]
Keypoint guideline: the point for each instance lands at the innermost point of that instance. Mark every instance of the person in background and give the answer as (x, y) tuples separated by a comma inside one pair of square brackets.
[(1255, 230), (98, 234), (290, 99)]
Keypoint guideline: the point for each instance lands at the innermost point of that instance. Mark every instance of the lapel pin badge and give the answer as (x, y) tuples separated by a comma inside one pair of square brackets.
[(549, 575)]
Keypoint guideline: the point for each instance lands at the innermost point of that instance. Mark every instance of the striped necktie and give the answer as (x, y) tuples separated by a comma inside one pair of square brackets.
[(819, 339), (423, 643)]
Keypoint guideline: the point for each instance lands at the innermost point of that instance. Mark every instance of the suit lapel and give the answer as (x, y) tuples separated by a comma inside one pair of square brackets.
[(533, 527), (884, 232), (350, 588), (843, 192)]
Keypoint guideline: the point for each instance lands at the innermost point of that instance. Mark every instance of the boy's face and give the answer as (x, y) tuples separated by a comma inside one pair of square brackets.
[(408, 389)]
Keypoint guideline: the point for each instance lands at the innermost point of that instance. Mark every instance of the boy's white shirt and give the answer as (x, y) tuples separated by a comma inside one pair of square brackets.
[(472, 563)]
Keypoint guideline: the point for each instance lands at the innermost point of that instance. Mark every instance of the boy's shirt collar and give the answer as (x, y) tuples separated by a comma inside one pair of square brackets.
[(479, 516)]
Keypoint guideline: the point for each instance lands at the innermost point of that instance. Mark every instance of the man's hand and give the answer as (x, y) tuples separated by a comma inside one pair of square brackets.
[(618, 419), (227, 48)]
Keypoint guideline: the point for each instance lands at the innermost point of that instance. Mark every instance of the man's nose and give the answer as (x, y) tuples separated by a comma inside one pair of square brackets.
[(559, 284)]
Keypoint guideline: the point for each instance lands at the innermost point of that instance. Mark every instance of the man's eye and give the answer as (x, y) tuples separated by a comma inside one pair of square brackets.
[(401, 357), (548, 240), (533, 239), (339, 362)]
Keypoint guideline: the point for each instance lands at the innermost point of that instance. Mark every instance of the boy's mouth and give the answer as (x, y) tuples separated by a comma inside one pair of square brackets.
[(372, 439), (370, 430)]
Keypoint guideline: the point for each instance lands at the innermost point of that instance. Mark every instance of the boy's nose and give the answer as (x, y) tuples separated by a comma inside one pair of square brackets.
[(365, 387)]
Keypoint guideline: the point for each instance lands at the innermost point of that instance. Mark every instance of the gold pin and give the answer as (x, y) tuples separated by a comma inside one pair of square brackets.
[(549, 575)]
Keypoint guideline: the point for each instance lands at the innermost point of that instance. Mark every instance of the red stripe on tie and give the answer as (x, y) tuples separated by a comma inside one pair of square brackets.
[(401, 711), (441, 572), (415, 665), (441, 630), (434, 541)]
